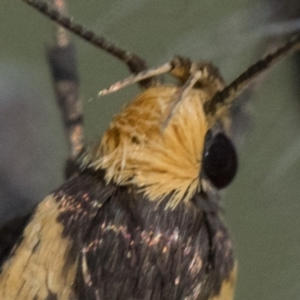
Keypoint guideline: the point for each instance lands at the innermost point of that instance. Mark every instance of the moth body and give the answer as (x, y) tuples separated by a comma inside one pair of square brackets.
[(140, 215), (140, 219)]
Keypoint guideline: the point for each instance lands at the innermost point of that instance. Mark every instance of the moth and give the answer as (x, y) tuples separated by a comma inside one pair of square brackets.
[(140, 216)]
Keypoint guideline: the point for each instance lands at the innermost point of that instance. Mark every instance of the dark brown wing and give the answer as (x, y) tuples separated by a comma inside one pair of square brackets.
[(44, 264), (95, 241), (132, 248)]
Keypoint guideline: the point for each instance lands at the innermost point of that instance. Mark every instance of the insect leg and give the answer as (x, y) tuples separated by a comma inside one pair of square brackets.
[(62, 62), (179, 67), (181, 94), (165, 68)]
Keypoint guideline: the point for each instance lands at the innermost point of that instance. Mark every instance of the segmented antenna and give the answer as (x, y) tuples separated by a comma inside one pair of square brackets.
[(133, 61), (231, 91)]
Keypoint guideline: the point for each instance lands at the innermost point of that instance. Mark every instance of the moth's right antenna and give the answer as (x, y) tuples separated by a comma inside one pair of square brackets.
[(133, 61), (226, 97)]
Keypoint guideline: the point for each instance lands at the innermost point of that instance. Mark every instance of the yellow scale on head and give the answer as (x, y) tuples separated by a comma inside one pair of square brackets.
[(137, 150), (161, 160), (155, 144)]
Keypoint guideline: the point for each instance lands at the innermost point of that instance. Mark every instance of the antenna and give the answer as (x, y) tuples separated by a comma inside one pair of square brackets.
[(231, 91), (135, 63)]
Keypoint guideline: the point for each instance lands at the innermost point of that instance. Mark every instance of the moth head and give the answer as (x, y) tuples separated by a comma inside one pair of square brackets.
[(166, 150), (171, 140)]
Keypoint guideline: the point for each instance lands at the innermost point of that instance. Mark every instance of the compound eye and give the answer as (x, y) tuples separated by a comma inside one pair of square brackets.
[(220, 161)]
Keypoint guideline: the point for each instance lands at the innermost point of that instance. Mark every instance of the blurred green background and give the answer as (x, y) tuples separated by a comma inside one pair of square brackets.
[(262, 205)]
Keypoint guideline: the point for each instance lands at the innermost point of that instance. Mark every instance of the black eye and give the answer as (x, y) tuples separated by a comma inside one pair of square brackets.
[(220, 161)]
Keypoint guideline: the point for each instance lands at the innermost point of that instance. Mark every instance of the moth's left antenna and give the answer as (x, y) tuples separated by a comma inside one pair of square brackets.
[(62, 62), (134, 62)]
